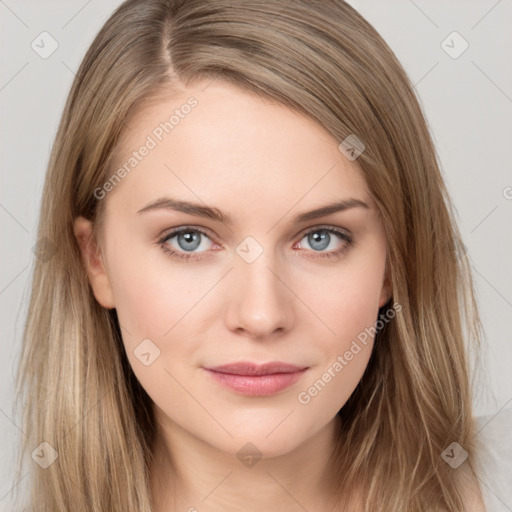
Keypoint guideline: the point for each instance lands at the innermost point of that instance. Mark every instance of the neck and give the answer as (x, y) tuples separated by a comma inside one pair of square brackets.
[(189, 474)]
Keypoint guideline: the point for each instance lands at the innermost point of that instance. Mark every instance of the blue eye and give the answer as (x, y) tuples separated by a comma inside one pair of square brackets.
[(319, 238), (187, 238)]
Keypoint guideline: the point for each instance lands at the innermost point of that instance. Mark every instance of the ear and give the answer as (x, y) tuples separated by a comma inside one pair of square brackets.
[(93, 263), (387, 291)]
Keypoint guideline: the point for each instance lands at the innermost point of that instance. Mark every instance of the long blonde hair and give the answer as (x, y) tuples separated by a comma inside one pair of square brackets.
[(325, 61)]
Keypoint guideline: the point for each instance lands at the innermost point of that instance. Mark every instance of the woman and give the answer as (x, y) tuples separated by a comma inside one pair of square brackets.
[(257, 293)]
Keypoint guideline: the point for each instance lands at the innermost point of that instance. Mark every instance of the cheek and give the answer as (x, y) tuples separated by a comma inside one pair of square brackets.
[(151, 312), (346, 297), (343, 355), (348, 304), (158, 306), (151, 294), (145, 306)]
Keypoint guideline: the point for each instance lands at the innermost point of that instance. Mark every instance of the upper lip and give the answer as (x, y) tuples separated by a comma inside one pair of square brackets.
[(250, 368)]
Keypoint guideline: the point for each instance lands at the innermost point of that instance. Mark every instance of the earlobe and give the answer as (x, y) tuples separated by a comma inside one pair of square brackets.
[(93, 263)]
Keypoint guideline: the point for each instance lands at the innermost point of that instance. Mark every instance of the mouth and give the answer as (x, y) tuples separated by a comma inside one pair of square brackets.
[(254, 379)]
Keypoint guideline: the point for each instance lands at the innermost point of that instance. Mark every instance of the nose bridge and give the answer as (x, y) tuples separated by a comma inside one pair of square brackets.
[(260, 302)]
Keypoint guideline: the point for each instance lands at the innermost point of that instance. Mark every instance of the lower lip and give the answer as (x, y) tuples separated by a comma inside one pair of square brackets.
[(257, 385)]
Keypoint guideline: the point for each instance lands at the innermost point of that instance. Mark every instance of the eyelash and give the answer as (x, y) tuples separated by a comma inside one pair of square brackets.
[(194, 256)]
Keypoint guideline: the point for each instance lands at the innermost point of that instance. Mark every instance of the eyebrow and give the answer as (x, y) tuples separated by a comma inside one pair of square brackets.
[(198, 210)]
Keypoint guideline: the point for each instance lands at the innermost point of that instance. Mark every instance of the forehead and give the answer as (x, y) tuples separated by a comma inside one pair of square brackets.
[(216, 142)]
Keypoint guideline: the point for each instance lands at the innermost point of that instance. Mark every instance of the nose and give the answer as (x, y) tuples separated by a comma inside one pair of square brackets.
[(260, 305)]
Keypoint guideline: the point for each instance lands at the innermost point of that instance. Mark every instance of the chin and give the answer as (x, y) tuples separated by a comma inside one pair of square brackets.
[(263, 442)]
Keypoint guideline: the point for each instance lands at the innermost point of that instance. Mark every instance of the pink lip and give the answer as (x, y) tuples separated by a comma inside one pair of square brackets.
[(257, 379)]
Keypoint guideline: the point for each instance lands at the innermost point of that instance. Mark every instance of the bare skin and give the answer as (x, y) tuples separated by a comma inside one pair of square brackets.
[(260, 164)]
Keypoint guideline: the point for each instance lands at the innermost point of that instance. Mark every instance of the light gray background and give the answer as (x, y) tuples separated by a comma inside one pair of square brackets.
[(467, 102)]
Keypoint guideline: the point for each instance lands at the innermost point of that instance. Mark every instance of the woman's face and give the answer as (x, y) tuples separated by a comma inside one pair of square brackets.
[(268, 286)]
